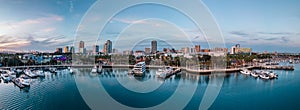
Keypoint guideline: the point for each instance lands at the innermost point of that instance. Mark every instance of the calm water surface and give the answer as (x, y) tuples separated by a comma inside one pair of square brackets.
[(59, 91)]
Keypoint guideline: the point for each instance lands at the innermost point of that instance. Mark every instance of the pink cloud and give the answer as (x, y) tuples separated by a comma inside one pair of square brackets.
[(48, 29)]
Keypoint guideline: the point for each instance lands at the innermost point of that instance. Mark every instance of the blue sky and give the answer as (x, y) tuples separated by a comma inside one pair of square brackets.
[(44, 25)]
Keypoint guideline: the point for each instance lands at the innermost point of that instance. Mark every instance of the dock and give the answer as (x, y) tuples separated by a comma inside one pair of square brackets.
[(275, 67)]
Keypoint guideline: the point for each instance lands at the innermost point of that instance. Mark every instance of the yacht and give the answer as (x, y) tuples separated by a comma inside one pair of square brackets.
[(5, 76), (24, 80), (29, 73), (264, 76), (254, 74), (164, 72), (94, 70), (272, 75), (19, 71), (17, 82), (39, 73), (245, 71), (12, 74), (70, 70), (53, 70), (139, 69)]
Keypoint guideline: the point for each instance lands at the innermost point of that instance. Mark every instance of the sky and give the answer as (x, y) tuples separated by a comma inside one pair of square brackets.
[(44, 25)]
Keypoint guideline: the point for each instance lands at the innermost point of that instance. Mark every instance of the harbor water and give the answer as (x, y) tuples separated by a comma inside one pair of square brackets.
[(61, 91)]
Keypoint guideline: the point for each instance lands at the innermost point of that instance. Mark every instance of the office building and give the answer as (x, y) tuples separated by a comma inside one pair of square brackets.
[(153, 46)]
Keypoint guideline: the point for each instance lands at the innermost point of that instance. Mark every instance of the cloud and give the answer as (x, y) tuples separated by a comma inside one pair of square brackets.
[(30, 25), (285, 39), (196, 37), (275, 33), (33, 42), (271, 39), (50, 29), (239, 33)]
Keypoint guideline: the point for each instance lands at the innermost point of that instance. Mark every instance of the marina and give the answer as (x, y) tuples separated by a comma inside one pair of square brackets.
[(61, 87)]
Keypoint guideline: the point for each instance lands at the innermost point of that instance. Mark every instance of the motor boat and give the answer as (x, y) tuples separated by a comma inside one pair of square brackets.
[(245, 71), (39, 73), (5, 76), (12, 74), (254, 74), (94, 70), (19, 71), (264, 76), (29, 73), (138, 69), (164, 72), (53, 70), (272, 75), (25, 80)]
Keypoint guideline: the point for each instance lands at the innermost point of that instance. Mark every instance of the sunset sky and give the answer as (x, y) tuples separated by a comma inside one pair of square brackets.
[(43, 25)]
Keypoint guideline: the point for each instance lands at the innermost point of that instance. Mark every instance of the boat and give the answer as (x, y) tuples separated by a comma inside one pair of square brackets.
[(17, 81), (39, 73), (264, 76), (245, 71), (53, 70), (96, 69), (164, 72), (70, 70), (254, 74), (25, 80), (19, 71), (5, 76), (99, 69), (138, 69), (29, 73), (271, 74), (12, 74)]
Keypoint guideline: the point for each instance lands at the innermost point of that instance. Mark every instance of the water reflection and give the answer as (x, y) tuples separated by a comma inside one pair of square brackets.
[(61, 84)]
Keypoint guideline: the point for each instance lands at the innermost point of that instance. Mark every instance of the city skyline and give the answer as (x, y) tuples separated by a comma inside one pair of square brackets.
[(253, 24)]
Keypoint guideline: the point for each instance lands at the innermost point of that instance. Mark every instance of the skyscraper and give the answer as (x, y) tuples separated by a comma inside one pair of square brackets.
[(66, 49), (197, 48), (153, 46), (95, 49), (58, 50), (72, 49), (81, 47), (147, 50), (107, 48)]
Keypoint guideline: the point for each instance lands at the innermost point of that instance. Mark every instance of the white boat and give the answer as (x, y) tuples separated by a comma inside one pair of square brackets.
[(70, 70), (12, 74), (139, 69), (99, 69), (5, 76), (39, 73), (272, 75), (164, 72), (19, 71), (254, 74), (94, 70), (264, 76), (53, 70), (29, 73), (24, 80), (245, 71)]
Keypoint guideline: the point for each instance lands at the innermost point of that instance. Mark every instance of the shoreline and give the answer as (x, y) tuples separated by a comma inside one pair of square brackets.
[(274, 67)]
